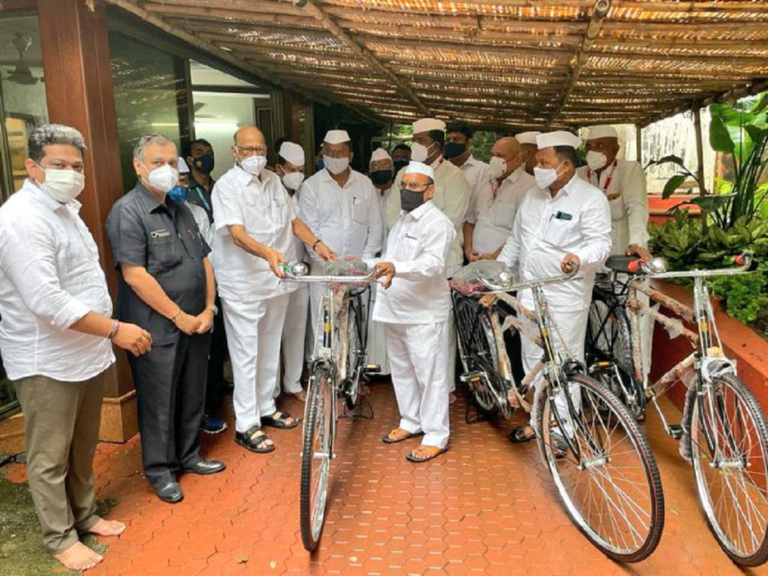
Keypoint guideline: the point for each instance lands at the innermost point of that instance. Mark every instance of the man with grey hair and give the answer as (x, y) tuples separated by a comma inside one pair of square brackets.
[(166, 284), (56, 338)]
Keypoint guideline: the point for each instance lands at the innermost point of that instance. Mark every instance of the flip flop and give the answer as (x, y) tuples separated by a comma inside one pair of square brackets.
[(518, 435), (278, 420), (434, 452), (387, 438)]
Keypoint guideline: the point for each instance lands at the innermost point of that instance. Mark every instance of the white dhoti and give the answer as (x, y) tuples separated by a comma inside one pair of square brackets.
[(417, 358), (254, 330), (377, 339), (572, 325), (294, 341)]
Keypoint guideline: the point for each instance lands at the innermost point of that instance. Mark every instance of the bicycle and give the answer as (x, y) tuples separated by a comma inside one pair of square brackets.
[(599, 459), (335, 373), (724, 433)]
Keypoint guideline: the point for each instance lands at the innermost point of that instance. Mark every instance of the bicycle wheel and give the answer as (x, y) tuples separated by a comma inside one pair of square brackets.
[(316, 456), (608, 479), (729, 440), (608, 350), (355, 353)]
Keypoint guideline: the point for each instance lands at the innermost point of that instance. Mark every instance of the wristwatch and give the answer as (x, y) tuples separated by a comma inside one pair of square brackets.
[(213, 309)]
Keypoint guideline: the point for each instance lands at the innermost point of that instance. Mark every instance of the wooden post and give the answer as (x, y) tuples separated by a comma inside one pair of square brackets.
[(639, 143), (699, 151)]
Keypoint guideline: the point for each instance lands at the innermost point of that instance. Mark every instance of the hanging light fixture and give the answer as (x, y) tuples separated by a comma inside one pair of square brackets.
[(22, 74)]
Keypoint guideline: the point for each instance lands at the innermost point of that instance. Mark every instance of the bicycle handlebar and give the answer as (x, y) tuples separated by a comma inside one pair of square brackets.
[(498, 288), (299, 272), (743, 263)]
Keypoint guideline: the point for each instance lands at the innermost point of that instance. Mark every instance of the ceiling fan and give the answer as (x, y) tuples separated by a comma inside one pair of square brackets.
[(22, 73)]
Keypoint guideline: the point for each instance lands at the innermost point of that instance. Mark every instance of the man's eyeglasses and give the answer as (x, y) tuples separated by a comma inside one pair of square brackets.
[(247, 151), (414, 186)]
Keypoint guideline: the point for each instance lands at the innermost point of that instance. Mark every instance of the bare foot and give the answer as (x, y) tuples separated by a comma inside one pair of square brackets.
[(79, 557), (451, 398), (107, 528)]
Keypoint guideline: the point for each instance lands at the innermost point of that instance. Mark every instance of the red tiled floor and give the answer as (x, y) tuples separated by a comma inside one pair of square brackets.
[(485, 507)]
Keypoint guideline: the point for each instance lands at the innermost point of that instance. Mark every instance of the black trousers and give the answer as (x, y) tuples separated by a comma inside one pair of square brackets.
[(513, 344), (215, 384), (170, 388)]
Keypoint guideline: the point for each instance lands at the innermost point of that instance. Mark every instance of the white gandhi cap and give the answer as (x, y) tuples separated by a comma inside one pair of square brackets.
[(420, 168), (181, 166), (527, 137), (558, 138), (602, 132), (380, 154), (427, 124), (292, 153), (336, 137)]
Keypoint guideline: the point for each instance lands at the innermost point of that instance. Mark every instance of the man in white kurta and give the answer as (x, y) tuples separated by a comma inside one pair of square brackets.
[(255, 225), (527, 141), (290, 169), (382, 174), (458, 149), (452, 195), (342, 207), (494, 206), (624, 185), (414, 306), (563, 223)]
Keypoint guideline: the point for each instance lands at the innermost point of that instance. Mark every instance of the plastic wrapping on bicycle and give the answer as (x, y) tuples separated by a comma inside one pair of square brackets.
[(469, 280)]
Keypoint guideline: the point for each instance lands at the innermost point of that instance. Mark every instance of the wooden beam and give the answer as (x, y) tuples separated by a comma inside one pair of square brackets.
[(209, 14), (397, 45), (329, 24), (599, 12), (639, 143)]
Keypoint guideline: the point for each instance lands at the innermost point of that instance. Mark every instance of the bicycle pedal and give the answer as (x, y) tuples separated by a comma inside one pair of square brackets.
[(372, 369), (676, 431)]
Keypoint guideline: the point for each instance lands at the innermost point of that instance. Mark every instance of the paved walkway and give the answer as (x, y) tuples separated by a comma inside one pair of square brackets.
[(485, 507)]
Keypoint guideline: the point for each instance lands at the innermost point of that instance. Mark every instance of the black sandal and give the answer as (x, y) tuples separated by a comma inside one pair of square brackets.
[(278, 420), (252, 438), (518, 435)]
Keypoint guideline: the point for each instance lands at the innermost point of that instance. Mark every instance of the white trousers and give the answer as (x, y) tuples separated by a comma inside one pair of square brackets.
[(293, 342), (253, 337), (417, 358), (572, 325), (377, 339)]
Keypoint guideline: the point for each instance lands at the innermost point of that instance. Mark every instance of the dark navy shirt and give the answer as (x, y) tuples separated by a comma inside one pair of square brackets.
[(164, 239)]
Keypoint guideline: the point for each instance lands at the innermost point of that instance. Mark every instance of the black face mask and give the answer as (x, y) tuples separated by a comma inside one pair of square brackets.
[(381, 177), (204, 163), (410, 200), (399, 164), (454, 149)]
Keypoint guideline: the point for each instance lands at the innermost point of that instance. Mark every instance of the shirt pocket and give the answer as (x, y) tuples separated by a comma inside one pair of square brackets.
[(617, 208), (360, 211), (165, 252), (561, 233)]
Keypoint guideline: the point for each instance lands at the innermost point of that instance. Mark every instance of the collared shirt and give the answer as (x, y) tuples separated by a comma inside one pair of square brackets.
[(262, 206), (199, 196), (477, 173), (348, 219), (452, 194), (50, 278), (165, 240), (418, 246), (494, 208), (576, 220), (625, 187)]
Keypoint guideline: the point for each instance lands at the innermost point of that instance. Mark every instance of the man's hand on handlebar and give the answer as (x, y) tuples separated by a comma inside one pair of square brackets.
[(385, 270), (637, 250), (570, 263), (275, 261), (325, 253)]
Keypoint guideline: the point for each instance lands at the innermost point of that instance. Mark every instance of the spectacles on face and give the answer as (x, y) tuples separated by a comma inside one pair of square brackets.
[(247, 151), (414, 186)]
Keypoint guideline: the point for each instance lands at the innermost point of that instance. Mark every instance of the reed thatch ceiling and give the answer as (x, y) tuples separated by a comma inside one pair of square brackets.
[(498, 64)]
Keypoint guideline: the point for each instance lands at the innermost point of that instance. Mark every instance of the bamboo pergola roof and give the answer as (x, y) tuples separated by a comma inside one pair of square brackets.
[(494, 63)]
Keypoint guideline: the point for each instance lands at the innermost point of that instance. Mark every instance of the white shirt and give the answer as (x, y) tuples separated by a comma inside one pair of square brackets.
[(477, 173), (418, 246), (626, 189), (299, 246), (348, 219), (383, 199), (452, 194), (50, 278), (494, 208), (203, 223), (540, 239), (263, 207)]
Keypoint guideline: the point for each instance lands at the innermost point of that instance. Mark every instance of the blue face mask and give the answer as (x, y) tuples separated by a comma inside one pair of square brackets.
[(319, 164), (178, 194)]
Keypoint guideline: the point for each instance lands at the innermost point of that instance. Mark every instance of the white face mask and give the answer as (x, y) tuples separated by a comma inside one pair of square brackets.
[(419, 152), (545, 176), (163, 178), (335, 165), (596, 160), (62, 185), (498, 167), (293, 180), (253, 164)]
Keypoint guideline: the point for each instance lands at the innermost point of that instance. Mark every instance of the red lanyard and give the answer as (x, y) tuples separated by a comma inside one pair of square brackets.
[(607, 180)]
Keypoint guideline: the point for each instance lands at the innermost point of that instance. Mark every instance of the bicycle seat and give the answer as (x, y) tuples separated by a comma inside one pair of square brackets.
[(622, 264)]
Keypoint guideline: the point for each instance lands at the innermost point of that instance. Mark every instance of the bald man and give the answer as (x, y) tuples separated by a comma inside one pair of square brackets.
[(255, 225), (492, 212)]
